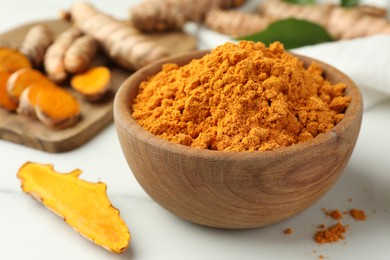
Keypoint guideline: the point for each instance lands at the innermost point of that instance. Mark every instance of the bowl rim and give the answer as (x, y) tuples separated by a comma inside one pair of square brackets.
[(122, 115)]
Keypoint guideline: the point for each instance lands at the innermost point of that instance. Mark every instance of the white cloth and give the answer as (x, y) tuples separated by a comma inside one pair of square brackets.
[(365, 60)]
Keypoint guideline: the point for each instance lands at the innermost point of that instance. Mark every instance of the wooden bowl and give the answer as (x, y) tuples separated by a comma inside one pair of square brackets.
[(235, 189)]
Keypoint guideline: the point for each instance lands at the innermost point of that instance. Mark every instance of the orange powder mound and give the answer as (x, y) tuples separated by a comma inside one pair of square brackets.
[(357, 214), (330, 234), (240, 97)]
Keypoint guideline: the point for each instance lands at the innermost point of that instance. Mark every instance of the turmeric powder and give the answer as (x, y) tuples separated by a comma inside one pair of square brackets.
[(240, 97), (357, 214), (330, 234)]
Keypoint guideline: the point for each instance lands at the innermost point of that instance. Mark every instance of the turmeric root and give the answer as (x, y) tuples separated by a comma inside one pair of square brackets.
[(35, 44), (83, 205), (20, 80), (80, 54), (373, 10), (54, 57), (162, 15), (12, 60), (93, 83), (5, 100), (236, 23), (121, 42), (349, 23), (341, 23), (57, 108)]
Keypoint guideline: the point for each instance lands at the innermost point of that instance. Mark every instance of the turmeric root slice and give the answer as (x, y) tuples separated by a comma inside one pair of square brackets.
[(20, 80), (57, 108), (93, 83), (83, 205), (5, 100), (12, 60), (28, 98)]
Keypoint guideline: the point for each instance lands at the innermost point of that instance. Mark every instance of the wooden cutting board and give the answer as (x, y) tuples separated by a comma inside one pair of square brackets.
[(95, 116)]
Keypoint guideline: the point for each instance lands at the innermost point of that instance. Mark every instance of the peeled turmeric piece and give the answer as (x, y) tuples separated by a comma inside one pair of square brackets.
[(93, 83), (83, 205), (20, 80), (5, 100), (57, 108), (12, 60)]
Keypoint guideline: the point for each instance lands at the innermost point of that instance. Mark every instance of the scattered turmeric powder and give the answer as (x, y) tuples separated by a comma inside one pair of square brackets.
[(330, 234), (122, 42), (357, 214), (334, 214), (240, 97), (83, 205), (163, 15), (93, 83), (35, 44)]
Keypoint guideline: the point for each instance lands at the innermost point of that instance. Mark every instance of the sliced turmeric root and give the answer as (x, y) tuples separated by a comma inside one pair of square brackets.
[(20, 80), (5, 100), (29, 96), (57, 108), (12, 60), (83, 205), (93, 83)]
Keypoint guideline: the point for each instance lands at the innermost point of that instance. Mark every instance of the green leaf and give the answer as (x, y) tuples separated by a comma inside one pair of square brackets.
[(301, 2), (349, 3), (293, 33)]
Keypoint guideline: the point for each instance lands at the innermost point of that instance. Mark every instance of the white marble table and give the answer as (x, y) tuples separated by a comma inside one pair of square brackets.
[(30, 231)]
